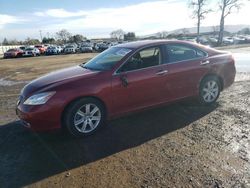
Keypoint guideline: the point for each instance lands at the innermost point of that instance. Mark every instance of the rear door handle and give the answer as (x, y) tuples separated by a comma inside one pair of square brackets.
[(162, 72), (205, 62)]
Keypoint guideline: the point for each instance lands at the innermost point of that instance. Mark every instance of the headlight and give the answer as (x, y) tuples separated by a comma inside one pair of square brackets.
[(40, 98)]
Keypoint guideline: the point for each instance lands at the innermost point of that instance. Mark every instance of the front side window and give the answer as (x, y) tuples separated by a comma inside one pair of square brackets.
[(179, 52), (145, 58)]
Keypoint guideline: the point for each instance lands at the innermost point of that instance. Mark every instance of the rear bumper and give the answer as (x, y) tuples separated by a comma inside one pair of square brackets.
[(229, 77)]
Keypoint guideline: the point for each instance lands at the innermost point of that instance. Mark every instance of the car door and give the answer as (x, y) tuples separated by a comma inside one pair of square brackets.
[(186, 67), (139, 82)]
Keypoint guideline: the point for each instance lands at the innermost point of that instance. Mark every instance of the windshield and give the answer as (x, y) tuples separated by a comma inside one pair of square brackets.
[(107, 59), (29, 49)]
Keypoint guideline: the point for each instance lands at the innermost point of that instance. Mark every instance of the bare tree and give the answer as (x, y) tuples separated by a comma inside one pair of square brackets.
[(63, 35), (117, 34), (199, 12), (226, 8)]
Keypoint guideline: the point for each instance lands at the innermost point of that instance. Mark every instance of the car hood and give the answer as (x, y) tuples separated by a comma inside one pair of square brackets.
[(57, 77)]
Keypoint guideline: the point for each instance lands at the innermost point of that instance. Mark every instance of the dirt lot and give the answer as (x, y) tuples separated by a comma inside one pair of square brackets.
[(180, 145)]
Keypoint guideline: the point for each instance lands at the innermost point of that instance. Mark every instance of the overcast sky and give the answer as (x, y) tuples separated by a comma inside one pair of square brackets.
[(20, 19)]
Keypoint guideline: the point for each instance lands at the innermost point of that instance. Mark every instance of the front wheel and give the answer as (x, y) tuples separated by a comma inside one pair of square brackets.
[(84, 117), (209, 90)]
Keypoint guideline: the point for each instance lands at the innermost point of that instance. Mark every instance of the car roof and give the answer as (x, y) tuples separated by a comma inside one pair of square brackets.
[(145, 43), (148, 43)]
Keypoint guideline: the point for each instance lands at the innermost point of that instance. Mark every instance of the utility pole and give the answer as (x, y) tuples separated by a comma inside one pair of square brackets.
[(40, 31)]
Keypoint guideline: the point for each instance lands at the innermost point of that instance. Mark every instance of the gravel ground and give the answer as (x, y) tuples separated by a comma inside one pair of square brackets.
[(179, 145)]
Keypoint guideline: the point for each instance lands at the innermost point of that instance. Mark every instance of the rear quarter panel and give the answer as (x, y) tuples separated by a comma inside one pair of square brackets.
[(223, 65)]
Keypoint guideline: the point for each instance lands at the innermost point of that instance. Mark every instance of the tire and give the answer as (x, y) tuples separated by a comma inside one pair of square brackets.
[(209, 90), (77, 118)]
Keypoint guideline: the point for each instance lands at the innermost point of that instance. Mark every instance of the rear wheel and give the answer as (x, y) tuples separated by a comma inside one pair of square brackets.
[(84, 117), (209, 90)]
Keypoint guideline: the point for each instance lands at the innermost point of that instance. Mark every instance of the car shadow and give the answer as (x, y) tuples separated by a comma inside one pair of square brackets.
[(27, 157)]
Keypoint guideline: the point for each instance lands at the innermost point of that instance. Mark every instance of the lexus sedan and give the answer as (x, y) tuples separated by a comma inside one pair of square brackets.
[(123, 79)]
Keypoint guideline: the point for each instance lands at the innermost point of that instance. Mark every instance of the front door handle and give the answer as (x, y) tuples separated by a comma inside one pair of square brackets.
[(162, 72), (205, 62)]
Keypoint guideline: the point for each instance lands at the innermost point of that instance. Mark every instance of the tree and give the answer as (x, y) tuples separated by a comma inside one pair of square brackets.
[(30, 41), (48, 40), (226, 8), (63, 35), (215, 29), (5, 42), (117, 34), (199, 12), (77, 38), (130, 36)]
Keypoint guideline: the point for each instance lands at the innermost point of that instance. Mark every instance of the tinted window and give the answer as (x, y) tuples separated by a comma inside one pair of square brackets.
[(179, 52), (145, 58)]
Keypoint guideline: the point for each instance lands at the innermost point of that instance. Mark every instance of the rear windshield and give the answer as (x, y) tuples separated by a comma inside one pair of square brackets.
[(11, 50)]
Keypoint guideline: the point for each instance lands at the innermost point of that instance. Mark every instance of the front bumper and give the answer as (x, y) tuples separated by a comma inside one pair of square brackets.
[(39, 118), (9, 55)]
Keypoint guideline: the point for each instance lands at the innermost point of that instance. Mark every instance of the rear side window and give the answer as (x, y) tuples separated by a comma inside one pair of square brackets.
[(179, 52)]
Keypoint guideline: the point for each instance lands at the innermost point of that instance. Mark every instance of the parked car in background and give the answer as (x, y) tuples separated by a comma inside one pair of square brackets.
[(22, 47), (31, 51), (228, 40), (124, 79), (14, 52), (41, 48), (59, 49), (103, 46), (86, 47), (52, 50), (69, 49), (239, 40)]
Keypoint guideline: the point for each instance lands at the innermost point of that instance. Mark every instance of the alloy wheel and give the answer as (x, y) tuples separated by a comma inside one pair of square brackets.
[(87, 118), (210, 91)]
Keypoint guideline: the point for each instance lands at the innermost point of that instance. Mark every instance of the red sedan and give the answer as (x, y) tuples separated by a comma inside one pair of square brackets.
[(41, 48), (15, 52), (123, 79)]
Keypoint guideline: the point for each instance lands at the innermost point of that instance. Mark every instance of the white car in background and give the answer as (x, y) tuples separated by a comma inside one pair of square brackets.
[(31, 52), (70, 49), (86, 47)]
